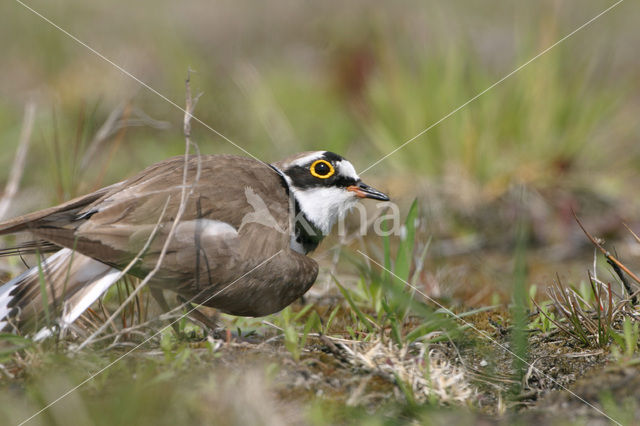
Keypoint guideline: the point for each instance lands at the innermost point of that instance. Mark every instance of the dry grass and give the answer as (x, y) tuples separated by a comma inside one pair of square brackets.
[(423, 374)]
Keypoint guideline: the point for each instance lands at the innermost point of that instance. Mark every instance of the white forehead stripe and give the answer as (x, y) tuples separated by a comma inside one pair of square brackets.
[(345, 168), (307, 159)]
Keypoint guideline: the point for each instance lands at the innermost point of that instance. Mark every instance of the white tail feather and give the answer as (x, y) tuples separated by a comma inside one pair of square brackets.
[(75, 280)]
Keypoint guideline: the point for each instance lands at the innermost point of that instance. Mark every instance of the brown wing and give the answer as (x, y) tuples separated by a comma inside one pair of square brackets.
[(113, 224), (61, 212), (213, 252)]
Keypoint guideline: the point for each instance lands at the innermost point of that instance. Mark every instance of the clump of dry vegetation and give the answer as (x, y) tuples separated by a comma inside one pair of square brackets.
[(423, 374), (599, 315)]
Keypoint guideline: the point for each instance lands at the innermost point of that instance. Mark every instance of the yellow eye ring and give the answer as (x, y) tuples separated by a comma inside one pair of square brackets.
[(315, 173)]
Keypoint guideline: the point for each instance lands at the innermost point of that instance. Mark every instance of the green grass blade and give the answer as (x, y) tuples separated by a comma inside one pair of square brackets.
[(519, 338), (386, 247), (361, 316), (331, 318), (405, 250)]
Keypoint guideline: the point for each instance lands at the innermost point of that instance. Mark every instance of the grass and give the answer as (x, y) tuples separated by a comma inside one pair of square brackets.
[(519, 337), (359, 80), (386, 298), (593, 315)]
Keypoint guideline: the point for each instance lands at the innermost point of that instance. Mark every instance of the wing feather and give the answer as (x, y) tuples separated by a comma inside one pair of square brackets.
[(221, 236)]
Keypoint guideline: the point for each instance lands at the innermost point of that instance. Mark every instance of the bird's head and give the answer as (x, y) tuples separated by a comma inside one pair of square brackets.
[(325, 186)]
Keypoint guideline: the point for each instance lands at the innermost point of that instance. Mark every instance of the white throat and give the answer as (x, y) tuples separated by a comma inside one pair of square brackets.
[(324, 206)]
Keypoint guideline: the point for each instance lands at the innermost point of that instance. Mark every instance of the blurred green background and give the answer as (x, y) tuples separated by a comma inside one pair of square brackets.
[(359, 78)]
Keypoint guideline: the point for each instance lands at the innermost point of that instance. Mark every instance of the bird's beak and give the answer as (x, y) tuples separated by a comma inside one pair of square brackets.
[(363, 190)]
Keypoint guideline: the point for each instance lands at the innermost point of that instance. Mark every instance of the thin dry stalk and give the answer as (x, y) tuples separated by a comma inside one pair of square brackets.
[(106, 315), (121, 117), (635, 236), (184, 195), (133, 294), (17, 170), (610, 258), (590, 322)]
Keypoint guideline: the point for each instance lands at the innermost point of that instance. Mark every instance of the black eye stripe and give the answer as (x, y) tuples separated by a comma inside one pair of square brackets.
[(302, 176), (343, 181), (302, 179)]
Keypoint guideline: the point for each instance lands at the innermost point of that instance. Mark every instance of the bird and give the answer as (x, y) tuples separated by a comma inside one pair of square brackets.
[(241, 243)]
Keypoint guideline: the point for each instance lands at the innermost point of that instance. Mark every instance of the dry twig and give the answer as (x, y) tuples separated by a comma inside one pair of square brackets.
[(18, 163), (184, 195), (121, 117), (618, 267)]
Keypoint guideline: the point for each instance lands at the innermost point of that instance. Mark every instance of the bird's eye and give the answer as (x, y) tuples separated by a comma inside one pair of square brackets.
[(322, 169)]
